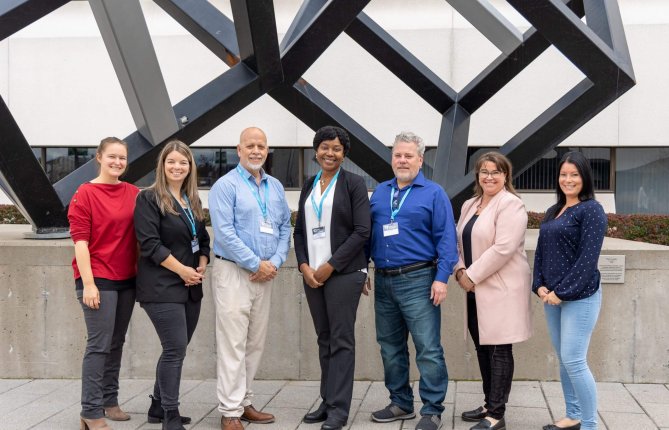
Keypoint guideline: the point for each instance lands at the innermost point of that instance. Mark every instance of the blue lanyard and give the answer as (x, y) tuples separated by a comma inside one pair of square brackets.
[(319, 209), (263, 205), (190, 216), (393, 213)]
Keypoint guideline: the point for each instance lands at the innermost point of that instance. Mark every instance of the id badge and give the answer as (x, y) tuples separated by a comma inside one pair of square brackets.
[(195, 245), (266, 227), (318, 232), (391, 229)]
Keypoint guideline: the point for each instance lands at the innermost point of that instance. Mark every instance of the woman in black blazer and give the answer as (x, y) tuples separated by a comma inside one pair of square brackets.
[(174, 252), (333, 225)]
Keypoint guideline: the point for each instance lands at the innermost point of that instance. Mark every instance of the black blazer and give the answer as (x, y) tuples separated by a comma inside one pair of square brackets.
[(350, 225), (159, 236)]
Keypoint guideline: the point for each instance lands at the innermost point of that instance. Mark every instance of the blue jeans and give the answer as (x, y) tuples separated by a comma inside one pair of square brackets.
[(403, 306), (570, 326)]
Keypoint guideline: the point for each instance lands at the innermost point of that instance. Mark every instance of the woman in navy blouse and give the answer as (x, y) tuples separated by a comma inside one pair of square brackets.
[(567, 280)]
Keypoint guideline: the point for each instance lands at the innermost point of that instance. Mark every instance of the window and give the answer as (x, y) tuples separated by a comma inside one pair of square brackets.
[(641, 180), (60, 162)]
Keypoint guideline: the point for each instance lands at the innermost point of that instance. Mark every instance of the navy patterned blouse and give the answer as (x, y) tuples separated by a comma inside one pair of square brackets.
[(568, 250)]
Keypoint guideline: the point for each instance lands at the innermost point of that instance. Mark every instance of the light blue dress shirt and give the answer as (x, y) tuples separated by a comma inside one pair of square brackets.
[(236, 217)]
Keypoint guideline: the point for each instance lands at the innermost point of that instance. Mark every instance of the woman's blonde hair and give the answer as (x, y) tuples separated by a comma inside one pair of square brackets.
[(503, 165), (161, 189)]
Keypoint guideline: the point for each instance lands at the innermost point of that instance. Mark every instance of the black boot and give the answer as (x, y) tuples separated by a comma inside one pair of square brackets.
[(172, 420), (156, 413)]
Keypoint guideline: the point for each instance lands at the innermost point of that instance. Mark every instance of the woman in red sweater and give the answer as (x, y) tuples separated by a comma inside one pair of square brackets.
[(105, 265)]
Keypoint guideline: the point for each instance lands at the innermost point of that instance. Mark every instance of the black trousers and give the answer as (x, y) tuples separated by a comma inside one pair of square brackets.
[(175, 324), (495, 363), (106, 328), (333, 309)]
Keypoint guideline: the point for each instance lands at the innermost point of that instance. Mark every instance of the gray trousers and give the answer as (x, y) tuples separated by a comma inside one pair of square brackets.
[(175, 324), (101, 365)]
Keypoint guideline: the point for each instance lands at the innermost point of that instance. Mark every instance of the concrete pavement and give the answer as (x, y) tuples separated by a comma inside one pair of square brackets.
[(53, 404)]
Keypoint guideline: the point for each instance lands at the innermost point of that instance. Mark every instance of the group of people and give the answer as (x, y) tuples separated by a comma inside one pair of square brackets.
[(152, 247)]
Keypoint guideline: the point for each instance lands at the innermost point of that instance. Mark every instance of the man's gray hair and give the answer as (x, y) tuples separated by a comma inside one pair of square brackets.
[(409, 137)]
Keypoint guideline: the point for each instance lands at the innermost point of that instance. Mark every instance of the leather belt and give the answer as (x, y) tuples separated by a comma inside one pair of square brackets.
[(393, 271), (223, 258)]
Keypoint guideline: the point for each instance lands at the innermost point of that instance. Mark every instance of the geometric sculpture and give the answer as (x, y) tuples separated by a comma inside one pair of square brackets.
[(260, 65)]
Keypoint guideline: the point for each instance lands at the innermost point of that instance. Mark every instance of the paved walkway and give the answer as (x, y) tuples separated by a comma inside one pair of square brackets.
[(54, 404)]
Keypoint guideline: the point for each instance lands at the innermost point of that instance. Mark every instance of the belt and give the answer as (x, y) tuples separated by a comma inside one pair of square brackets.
[(393, 271), (223, 258)]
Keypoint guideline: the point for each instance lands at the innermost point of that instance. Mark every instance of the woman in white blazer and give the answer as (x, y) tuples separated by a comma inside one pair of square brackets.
[(494, 271)]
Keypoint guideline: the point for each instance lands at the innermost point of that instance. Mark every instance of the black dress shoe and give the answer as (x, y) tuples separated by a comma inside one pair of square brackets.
[(317, 416), (474, 416), (484, 424), (576, 426), (332, 425)]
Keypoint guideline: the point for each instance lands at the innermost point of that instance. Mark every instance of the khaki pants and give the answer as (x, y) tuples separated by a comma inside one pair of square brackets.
[(242, 316)]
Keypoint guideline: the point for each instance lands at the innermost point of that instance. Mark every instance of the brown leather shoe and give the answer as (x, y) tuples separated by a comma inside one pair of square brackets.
[(231, 423), (115, 413), (94, 424), (253, 416)]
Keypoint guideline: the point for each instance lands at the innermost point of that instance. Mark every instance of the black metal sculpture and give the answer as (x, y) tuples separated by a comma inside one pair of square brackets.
[(260, 65)]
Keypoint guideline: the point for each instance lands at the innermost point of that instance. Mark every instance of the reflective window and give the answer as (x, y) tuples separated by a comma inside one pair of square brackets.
[(284, 164), (208, 165), (60, 162), (641, 180)]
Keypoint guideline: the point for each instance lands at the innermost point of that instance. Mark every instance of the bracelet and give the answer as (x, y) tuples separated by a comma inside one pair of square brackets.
[(458, 273)]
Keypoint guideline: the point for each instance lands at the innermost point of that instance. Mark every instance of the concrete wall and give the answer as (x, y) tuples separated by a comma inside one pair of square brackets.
[(42, 332)]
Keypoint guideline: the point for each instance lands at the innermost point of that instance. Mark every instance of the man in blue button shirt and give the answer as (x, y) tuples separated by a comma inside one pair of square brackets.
[(414, 248), (251, 222)]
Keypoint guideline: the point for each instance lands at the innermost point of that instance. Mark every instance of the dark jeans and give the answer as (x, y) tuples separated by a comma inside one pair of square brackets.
[(402, 306), (495, 363), (333, 309), (106, 328), (175, 324)]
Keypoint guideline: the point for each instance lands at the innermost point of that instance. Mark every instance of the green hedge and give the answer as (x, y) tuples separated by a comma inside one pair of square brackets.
[(641, 228)]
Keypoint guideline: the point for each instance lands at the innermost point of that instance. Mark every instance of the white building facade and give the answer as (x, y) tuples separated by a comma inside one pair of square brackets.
[(59, 84)]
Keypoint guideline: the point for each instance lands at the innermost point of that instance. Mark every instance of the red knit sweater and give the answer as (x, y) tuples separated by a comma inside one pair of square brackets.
[(102, 215)]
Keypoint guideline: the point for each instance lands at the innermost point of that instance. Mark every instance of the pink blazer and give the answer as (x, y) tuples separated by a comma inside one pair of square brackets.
[(499, 268)]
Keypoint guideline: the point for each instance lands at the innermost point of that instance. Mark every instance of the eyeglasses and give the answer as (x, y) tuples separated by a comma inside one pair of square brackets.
[(494, 174)]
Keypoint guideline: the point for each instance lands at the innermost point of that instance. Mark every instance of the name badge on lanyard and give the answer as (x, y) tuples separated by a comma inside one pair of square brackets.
[(266, 227), (265, 223), (393, 228), (319, 232), (194, 244)]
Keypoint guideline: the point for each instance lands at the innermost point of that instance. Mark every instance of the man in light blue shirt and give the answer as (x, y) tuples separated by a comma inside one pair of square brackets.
[(251, 222)]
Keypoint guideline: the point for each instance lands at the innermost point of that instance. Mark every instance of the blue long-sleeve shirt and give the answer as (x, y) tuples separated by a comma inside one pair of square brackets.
[(236, 217), (568, 251), (426, 227)]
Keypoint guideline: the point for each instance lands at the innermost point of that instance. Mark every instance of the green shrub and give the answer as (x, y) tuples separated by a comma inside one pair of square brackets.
[(10, 215), (640, 228)]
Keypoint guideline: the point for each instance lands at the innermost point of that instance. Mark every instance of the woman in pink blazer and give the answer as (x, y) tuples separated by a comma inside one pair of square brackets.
[(493, 270)]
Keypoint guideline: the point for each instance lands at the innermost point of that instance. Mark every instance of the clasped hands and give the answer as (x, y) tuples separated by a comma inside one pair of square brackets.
[(464, 280), (548, 297), (192, 276), (266, 272), (315, 278)]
